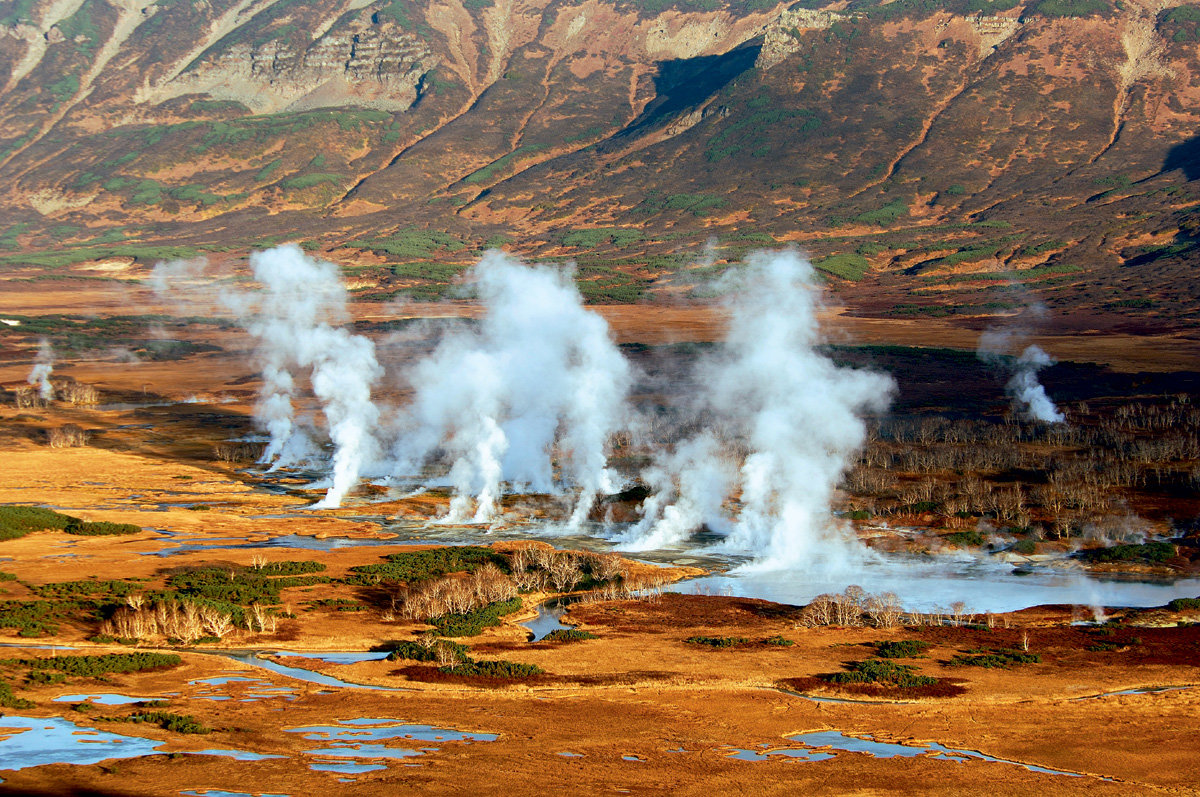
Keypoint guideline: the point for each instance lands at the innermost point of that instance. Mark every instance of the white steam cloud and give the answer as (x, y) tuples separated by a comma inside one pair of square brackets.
[(296, 319), (43, 366), (538, 385), (293, 319), (794, 414), (1028, 392)]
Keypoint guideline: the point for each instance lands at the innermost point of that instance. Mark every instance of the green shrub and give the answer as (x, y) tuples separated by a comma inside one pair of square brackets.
[(423, 565), (881, 671), (291, 568), (778, 641), (176, 723), (717, 641), (1072, 8), (415, 651), (1182, 604), (9, 700), (89, 666), (493, 669), (888, 214), (901, 648), (568, 635), (1145, 552), (102, 529), (964, 538), (1003, 659), (473, 622), (87, 588), (1025, 547), (43, 677), (849, 266), (36, 618), (17, 521)]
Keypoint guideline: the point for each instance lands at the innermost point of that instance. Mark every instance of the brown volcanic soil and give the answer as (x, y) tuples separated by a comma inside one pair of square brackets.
[(639, 689)]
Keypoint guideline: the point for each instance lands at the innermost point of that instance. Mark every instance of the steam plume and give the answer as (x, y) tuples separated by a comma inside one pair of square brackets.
[(293, 320), (43, 366), (1025, 388), (538, 384), (794, 413)]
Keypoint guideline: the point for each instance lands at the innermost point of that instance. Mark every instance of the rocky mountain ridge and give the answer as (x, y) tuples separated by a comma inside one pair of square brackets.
[(923, 145)]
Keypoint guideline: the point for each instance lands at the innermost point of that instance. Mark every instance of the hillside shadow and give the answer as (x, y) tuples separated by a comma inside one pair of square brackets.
[(686, 82), (1185, 157)]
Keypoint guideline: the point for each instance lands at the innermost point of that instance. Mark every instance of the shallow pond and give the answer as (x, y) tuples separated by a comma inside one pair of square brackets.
[(546, 622), (366, 738), (922, 585), (816, 745), (300, 674), (293, 541), (37, 741)]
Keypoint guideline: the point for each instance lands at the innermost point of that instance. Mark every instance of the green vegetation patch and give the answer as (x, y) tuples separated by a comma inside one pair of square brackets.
[(568, 635), (849, 266), (411, 243), (695, 204), (115, 589), (1184, 604), (1072, 8), (238, 587), (92, 666), (717, 641), (487, 173), (964, 539), (1152, 552), (881, 671), (1002, 659), (473, 622), (102, 528), (595, 237), (17, 521), (508, 670), (295, 568), (176, 723), (886, 215), (901, 648), (415, 651), (9, 700), (423, 565)]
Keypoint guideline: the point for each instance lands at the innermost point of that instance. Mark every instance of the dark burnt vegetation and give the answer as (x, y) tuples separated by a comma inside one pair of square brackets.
[(1009, 484)]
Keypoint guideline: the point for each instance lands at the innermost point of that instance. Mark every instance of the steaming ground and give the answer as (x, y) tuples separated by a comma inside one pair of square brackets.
[(529, 400)]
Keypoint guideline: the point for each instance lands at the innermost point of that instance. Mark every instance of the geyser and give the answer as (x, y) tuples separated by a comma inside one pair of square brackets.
[(43, 366), (294, 319), (1027, 391), (792, 413), (538, 385)]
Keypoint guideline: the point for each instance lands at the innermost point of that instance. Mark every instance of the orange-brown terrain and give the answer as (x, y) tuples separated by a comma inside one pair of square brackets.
[(645, 706), (958, 171)]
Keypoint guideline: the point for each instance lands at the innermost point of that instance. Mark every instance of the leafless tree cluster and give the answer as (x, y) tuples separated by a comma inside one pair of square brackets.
[(186, 621), (69, 435), (631, 586), (237, 452), (77, 393), (536, 567), (1061, 480), (454, 595), (854, 607), (28, 397)]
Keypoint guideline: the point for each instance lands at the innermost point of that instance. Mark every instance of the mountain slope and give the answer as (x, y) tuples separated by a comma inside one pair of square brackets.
[(929, 154)]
